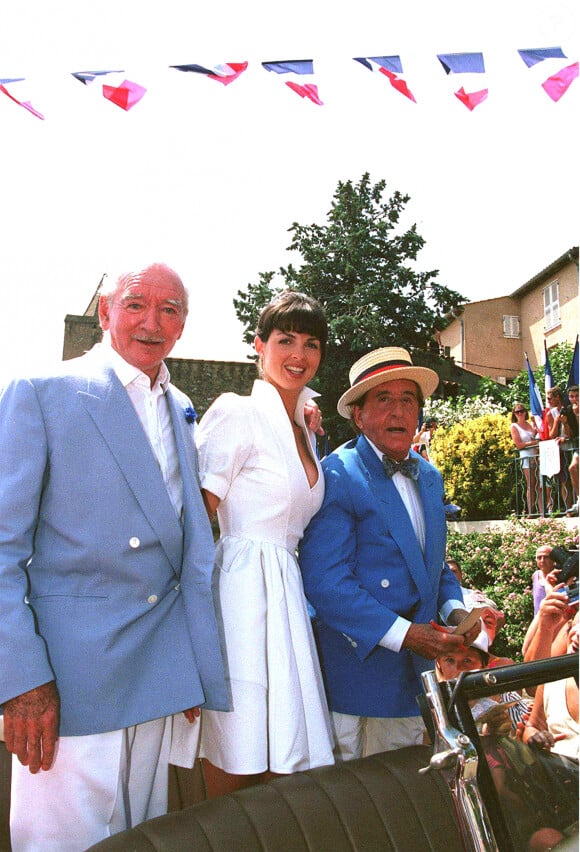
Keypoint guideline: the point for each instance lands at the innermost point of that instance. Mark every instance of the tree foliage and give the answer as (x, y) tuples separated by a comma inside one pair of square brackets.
[(360, 265)]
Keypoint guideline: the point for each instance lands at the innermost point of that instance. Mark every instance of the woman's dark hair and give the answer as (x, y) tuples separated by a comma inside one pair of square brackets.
[(292, 311)]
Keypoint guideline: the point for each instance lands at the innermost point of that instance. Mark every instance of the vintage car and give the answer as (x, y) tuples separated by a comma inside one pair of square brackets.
[(466, 792)]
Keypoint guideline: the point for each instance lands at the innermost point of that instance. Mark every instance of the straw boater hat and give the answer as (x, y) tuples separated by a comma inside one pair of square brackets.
[(384, 365)]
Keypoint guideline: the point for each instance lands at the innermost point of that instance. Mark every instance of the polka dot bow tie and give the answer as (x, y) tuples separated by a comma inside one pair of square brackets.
[(408, 467)]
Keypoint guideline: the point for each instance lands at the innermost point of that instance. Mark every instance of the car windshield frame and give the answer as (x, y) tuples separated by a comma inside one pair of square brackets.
[(484, 683)]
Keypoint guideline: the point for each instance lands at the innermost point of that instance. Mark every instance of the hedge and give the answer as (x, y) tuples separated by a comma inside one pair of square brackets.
[(501, 562)]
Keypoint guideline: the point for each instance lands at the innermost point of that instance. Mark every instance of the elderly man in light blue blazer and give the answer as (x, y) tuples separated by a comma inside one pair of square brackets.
[(373, 561), (107, 617)]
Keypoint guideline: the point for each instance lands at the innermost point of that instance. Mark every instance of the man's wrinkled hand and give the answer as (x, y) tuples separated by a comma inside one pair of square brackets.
[(31, 726), (430, 642), (456, 616)]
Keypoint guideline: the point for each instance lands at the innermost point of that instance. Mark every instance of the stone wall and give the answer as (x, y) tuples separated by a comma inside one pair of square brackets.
[(203, 381)]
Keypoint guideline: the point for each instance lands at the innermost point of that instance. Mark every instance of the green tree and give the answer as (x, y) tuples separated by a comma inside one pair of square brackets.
[(360, 266)]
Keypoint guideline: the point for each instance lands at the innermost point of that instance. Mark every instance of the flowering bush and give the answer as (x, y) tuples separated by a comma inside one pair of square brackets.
[(447, 412), (501, 564), (474, 457)]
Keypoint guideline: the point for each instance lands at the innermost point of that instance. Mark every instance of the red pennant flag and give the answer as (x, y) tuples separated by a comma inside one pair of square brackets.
[(466, 66), (558, 84), (308, 90), (390, 67), (126, 95), (229, 72), (471, 99), (302, 70), (399, 84)]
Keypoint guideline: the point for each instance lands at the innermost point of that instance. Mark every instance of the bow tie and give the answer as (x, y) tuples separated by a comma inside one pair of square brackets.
[(408, 467)]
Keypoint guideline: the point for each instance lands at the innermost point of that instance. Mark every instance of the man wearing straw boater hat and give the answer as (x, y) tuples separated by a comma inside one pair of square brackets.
[(373, 561)]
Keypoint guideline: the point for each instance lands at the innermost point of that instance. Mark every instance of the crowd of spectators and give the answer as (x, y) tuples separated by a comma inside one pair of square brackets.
[(544, 718), (560, 480)]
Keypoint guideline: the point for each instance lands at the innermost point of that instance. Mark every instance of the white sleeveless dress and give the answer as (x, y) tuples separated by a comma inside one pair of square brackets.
[(248, 458), (527, 452)]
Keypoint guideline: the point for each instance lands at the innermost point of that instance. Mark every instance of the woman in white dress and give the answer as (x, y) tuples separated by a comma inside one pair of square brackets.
[(259, 471), (525, 437)]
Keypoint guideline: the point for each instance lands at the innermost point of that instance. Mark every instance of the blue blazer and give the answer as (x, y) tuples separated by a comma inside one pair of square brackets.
[(362, 567), (101, 587)]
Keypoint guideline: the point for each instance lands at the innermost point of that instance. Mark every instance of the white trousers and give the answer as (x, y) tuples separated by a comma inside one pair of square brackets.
[(97, 786), (359, 736)]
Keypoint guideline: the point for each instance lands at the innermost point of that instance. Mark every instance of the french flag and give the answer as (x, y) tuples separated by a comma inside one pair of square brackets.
[(390, 67), (120, 91), (536, 404), (225, 73), (302, 77), (467, 65), (551, 60)]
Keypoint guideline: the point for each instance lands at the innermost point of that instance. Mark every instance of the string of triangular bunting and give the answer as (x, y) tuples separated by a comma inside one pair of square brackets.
[(466, 70)]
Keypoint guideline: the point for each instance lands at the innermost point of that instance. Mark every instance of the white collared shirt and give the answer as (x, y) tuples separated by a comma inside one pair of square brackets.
[(409, 494), (152, 409)]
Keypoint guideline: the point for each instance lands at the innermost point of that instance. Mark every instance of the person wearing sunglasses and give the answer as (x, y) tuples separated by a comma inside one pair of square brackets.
[(525, 437)]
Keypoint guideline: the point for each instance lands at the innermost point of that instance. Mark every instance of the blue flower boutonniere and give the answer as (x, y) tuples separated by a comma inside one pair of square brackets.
[(190, 414)]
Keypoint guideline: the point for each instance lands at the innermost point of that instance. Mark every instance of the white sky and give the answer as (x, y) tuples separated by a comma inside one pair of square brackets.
[(208, 178)]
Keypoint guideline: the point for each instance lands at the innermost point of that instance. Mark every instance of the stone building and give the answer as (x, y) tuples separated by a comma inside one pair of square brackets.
[(490, 337)]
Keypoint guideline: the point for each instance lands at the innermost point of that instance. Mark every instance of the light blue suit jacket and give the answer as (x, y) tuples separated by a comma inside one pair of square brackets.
[(101, 587), (362, 567)]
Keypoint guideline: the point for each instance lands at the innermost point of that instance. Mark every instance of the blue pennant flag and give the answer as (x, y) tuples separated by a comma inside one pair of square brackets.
[(573, 374), (548, 375), (538, 54), (536, 405), (296, 66), (459, 63), (390, 63), (86, 77)]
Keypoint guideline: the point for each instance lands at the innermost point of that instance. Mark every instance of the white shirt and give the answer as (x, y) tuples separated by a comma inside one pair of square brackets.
[(152, 409), (409, 493)]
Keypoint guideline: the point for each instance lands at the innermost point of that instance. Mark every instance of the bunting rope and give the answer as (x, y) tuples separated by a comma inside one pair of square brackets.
[(466, 71)]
